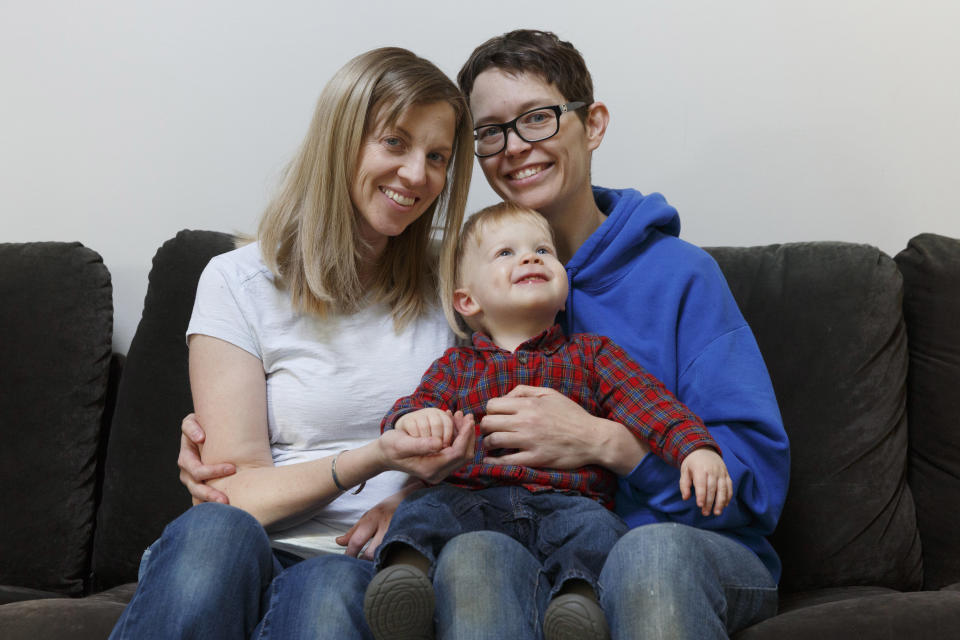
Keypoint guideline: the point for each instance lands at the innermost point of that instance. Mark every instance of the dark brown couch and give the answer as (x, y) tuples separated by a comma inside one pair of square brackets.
[(864, 352)]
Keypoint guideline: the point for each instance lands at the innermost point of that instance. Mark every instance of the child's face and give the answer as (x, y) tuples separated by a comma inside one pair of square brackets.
[(511, 273)]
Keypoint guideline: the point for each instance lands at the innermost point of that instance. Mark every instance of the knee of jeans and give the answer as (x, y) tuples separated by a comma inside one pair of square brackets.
[(212, 521), (321, 582), (346, 573), (210, 541), (477, 546), (480, 557), (653, 555)]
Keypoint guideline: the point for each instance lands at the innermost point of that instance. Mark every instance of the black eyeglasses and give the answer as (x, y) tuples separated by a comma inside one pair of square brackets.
[(532, 126)]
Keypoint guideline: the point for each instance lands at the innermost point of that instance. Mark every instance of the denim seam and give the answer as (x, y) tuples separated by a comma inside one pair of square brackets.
[(421, 549), (538, 615), (142, 590), (267, 618), (573, 574)]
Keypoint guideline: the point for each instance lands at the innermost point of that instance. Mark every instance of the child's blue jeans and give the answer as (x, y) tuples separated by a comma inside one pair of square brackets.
[(569, 534)]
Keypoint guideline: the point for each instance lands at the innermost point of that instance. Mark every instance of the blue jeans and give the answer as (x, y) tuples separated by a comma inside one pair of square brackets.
[(660, 581), (212, 574), (569, 535)]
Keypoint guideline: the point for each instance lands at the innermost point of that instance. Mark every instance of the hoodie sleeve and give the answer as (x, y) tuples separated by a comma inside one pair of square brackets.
[(723, 379)]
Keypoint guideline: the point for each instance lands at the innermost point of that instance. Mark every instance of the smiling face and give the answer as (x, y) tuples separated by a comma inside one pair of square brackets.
[(511, 278), (551, 176), (401, 170)]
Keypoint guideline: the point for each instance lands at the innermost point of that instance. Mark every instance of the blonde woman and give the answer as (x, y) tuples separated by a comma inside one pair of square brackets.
[(299, 342)]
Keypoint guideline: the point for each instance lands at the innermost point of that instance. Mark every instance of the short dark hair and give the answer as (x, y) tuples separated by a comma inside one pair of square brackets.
[(529, 51)]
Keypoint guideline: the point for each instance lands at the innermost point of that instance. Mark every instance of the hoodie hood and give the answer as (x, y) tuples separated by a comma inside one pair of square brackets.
[(634, 229), (632, 218)]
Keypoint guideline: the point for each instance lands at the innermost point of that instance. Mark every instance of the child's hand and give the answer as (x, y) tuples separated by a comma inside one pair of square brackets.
[(705, 470), (428, 423)]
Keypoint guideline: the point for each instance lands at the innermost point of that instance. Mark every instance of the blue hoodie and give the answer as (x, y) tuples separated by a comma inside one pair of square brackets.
[(667, 303)]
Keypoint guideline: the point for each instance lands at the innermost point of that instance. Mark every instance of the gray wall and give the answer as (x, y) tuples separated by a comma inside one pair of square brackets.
[(762, 120)]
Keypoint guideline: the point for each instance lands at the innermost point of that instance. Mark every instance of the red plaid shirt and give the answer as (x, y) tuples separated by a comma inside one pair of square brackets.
[(590, 370)]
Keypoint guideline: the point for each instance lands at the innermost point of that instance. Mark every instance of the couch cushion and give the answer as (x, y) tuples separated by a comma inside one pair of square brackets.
[(56, 323), (931, 273), (141, 490), (929, 615), (90, 618), (827, 317)]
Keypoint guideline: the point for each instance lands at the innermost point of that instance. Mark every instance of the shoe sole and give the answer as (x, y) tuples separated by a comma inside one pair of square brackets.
[(399, 604), (574, 617)]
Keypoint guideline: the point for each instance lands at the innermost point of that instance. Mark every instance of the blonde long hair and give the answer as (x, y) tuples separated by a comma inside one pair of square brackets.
[(309, 235)]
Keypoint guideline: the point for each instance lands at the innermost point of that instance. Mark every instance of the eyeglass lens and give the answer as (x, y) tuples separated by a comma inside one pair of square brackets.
[(532, 126)]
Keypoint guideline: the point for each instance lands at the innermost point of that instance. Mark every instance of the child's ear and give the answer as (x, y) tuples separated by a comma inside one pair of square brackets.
[(464, 304)]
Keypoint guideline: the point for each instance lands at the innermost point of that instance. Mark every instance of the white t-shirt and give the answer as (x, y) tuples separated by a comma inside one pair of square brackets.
[(329, 380)]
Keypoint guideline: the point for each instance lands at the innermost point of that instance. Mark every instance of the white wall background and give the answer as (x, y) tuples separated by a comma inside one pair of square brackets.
[(763, 121)]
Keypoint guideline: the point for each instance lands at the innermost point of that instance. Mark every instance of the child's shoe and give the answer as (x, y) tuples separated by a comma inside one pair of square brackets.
[(399, 604), (573, 616)]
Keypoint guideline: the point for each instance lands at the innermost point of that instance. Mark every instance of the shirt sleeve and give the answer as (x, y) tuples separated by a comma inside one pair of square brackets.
[(437, 389), (218, 308), (633, 397)]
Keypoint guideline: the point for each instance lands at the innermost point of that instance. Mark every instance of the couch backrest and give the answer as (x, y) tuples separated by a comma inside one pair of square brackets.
[(141, 491), (56, 328), (931, 272), (828, 319), (829, 323)]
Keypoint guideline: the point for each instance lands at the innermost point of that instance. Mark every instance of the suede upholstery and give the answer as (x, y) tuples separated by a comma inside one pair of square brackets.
[(864, 353), (827, 317), (931, 270), (56, 323), (153, 397)]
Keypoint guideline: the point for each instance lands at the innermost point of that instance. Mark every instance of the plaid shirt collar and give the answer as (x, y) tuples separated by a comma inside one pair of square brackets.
[(548, 341)]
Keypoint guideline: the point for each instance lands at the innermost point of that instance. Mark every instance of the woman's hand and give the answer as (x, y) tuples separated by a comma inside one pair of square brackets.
[(373, 525), (193, 473), (549, 430), (423, 457), (427, 458)]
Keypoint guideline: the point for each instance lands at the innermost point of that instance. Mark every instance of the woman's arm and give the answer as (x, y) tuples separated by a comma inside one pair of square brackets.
[(230, 399), (229, 395), (550, 430), (194, 475)]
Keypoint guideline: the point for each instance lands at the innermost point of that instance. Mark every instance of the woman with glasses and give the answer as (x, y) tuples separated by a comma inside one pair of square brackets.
[(678, 572)]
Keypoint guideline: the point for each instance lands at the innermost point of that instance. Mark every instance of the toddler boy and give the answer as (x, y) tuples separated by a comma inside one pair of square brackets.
[(509, 287)]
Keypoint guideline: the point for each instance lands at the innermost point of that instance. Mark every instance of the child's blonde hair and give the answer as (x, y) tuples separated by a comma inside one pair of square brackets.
[(451, 268)]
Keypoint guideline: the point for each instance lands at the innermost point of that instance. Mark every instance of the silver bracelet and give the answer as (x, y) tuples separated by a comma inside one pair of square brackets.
[(336, 480)]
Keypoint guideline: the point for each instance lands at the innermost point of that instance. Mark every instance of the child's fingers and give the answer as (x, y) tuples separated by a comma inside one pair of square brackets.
[(447, 434), (722, 497), (427, 429), (724, 494), (436, 425), (685, 483), (700, 487), (711, 494), (419, 428), (407, 425)]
